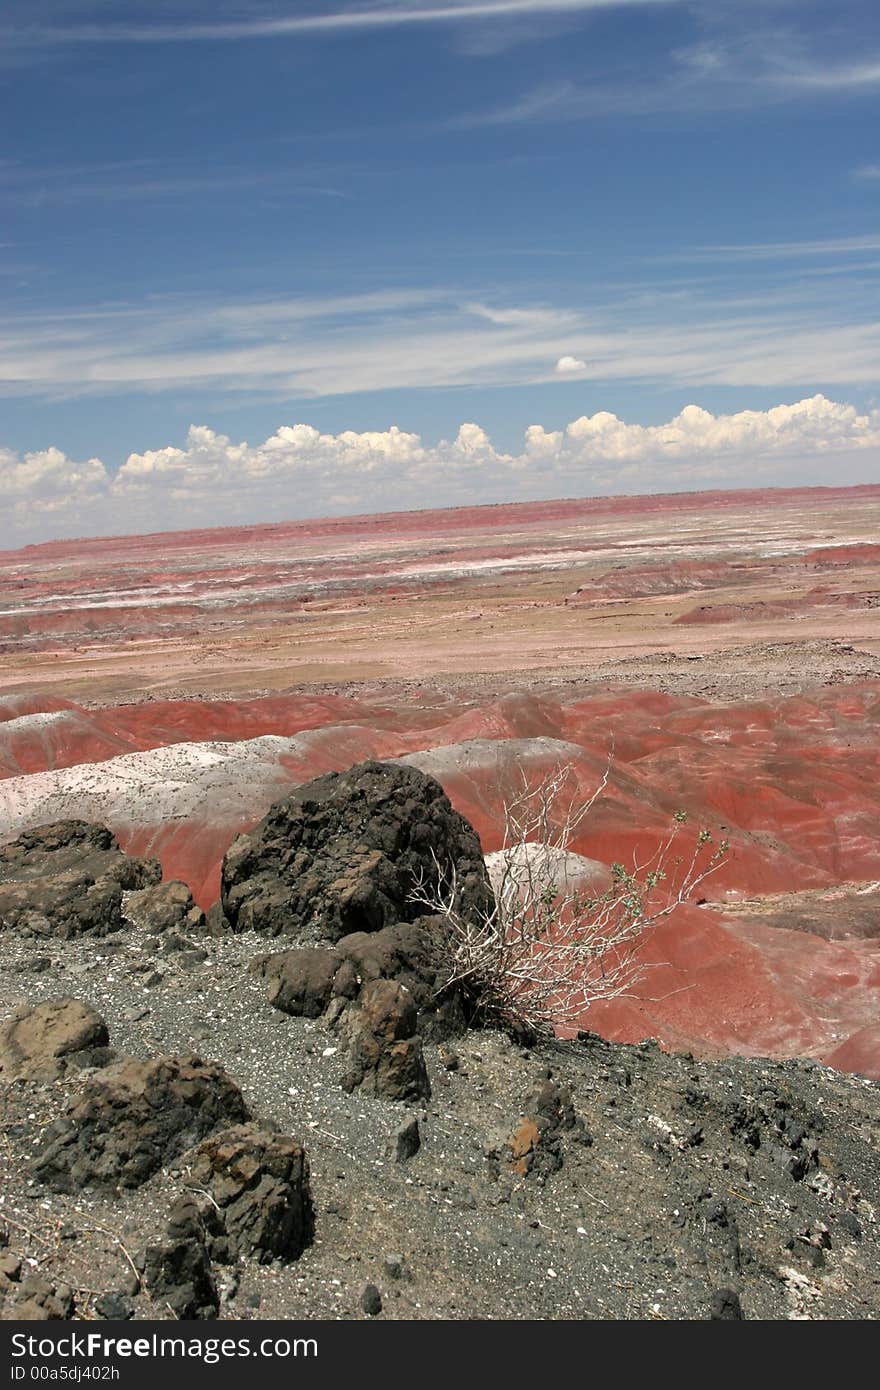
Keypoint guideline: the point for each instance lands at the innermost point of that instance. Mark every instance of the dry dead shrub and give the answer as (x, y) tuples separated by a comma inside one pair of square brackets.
[(553, 944)]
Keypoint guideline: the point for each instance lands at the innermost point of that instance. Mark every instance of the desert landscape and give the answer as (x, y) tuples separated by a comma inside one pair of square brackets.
[(167, 703), (722, 649), (439, 676)]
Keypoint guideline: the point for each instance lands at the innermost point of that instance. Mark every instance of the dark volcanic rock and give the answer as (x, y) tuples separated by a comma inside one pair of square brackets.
[(164, 907), (114, 1305), (344, 853), (36, 1299), (40, 1043), (132, 1118), (301, 981), (216, 923), (371, 1301), (260, 1184), (177, 1271), (68, 879), (725, 1306), (535, 1145), (306, 980), (412, 953), (407, 1141), (385, 1057)]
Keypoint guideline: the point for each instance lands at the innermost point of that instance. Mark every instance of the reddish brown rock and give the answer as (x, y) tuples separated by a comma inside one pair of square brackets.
[(164, 907), (132, 1118), (259, 1181), (68, 879), (385, 1056), (41, 1043)]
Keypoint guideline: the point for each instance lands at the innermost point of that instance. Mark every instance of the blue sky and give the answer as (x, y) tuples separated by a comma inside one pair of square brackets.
[(252, 217)]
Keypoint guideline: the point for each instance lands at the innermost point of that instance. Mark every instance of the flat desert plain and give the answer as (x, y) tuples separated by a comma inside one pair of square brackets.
[(721, 650)]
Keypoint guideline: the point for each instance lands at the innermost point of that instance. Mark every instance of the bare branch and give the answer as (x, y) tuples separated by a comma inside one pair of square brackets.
[(554, 944)]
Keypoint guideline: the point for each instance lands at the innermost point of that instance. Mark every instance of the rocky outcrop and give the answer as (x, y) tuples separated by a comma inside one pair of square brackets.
[(41, 1043), (303, 981), (385, 1056), (34, 1298), (256, 1203), (371, 988), (164, 907), (307, 980), (134, 1117), (412, 953), (344, 853), (535, 1146), (259, 1184), (68, 879), (177, 1271)]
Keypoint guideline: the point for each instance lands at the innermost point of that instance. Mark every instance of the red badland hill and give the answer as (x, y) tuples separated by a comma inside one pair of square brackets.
[(724, 648)]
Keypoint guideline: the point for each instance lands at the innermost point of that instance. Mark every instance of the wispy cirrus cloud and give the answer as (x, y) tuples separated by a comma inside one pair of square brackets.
[(736, 66), (831, 77), (344, 19), (430, 337), (122, 181), (779, 250)]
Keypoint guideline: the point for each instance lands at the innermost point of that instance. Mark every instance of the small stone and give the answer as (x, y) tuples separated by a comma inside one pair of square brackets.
[(393, 1266), (849, 1222), (188, 960), (725, 1306), (371, 1301), (114, 1306), (408, 1141)]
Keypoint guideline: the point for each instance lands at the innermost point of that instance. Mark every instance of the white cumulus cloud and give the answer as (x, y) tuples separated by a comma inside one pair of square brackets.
[(40, 489), (569, 364), (300, 471)]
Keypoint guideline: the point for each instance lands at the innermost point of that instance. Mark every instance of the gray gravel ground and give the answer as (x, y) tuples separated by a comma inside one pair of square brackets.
[(691, 1192)]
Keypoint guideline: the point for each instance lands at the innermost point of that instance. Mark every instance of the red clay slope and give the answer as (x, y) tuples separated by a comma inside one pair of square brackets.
[(793, 784)]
